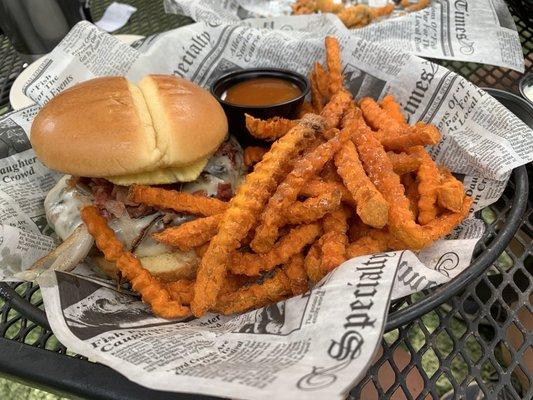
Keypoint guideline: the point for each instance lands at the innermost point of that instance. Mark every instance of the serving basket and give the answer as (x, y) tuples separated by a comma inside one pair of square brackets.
[(502, 219)]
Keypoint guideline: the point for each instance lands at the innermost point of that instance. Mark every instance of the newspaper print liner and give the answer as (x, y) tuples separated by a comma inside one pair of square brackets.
[(480, 31), (479, 137), (316, 345)]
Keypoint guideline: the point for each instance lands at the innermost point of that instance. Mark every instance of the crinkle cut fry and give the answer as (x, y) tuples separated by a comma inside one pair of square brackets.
[(333, 61), (253, 154), (403, 163), (392, 108), (444, 224), (269, 129), (200, 250), (271, 290), (317, 100), (313, 208), (272, 219), (313, 263), (104, 236), (244, 209), (181, 290), (322, 80), (379, 169), (420, 134), (372, 208), (365, 246), (334, 240), (305, 108), (377, 119), (317, 187), (335, 108), (411, 192), (428, 179), (295, 271), (357, 229), (292, 243), (151, 290), (329, 173), (177, 201), (190, 234), (401, 223), (375, 241), (451, 191)]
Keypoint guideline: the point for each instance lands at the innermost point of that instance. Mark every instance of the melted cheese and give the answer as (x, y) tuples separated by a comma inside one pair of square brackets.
[(161, 176), (62, 207)]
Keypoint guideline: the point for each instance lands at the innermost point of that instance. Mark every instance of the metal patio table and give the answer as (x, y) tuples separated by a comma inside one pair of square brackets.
[(438, 344)]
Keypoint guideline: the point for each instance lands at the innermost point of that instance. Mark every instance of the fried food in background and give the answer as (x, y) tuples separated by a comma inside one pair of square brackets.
[(354, 16), (345, 180)]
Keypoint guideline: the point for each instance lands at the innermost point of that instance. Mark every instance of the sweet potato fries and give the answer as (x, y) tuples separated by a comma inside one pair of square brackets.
[(345, 180)]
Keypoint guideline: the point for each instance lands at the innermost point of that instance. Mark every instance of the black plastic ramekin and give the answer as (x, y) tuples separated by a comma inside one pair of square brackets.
[(235, 112)]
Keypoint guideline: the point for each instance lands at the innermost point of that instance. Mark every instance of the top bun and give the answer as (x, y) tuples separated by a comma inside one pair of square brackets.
[(109, 127)]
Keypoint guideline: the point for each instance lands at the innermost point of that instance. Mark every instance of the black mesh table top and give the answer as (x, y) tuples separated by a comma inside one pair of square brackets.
[(479, 340)]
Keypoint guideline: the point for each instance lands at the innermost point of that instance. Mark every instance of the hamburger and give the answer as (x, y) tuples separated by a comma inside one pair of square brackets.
[(107, 134)]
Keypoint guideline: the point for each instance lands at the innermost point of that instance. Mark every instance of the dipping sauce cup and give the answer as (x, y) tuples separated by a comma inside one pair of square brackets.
[(261, 92)]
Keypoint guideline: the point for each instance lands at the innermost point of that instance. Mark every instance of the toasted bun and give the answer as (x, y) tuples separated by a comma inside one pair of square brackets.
[(167, 267), (109, 127)]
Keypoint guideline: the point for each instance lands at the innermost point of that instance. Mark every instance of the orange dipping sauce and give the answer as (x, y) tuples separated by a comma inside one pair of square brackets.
[(261, 92)]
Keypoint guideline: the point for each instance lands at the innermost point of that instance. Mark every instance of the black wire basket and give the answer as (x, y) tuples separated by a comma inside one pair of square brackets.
[(523, 9), (509, 210)]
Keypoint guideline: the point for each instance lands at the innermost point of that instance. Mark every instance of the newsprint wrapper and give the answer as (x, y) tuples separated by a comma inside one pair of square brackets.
[(480, 31), (313, 346)]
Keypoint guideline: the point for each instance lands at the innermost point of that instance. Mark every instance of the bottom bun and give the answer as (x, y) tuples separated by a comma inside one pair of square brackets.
[(166, 267)]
